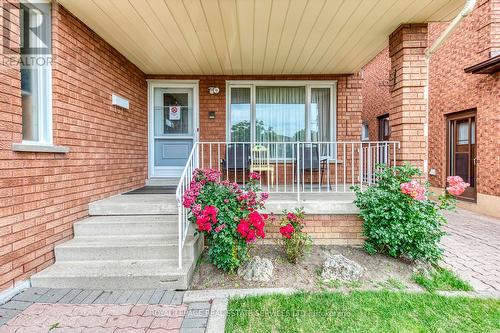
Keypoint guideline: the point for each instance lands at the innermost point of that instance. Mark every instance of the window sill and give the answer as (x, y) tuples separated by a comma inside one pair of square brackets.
[(39, 148)]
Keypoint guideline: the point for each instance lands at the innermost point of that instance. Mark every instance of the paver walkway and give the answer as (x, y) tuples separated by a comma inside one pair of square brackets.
[(123, 311), (472, 248)]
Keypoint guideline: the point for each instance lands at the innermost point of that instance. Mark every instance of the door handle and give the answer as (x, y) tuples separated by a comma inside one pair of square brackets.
[(474, 161)]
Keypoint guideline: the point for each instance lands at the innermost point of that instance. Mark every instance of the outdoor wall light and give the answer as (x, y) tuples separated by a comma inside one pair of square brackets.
[(213, 90), (211, 114)]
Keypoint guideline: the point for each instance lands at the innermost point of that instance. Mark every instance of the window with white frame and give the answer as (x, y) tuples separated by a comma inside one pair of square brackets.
[(36, 90), (275, 111), (365, 132)]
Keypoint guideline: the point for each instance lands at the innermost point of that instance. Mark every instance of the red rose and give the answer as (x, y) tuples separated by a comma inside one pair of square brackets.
[(243, 228), (250, 236), (287, 230)]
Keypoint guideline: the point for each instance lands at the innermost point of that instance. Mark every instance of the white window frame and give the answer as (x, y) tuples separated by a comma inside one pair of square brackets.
[(252, 84), (365, 131), (44, 96)]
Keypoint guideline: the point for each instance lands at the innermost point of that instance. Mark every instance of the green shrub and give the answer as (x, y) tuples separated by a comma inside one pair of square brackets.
[(399, 219)]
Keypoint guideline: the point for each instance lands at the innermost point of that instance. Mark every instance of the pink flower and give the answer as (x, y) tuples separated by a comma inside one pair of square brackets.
[(203, 223), (196, 209), (219, 228), (211, 212), (414, 189), (457, 185), (291, 216), (254, 176), (264, 195)]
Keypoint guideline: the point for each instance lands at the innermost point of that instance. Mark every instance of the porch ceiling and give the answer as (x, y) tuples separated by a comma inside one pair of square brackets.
[(253, 36)]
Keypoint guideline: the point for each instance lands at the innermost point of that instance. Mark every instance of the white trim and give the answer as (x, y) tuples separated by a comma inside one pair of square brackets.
[(308, 85), (166, 172), (365, 136), (7, 295), (29, 146), (293, 83)]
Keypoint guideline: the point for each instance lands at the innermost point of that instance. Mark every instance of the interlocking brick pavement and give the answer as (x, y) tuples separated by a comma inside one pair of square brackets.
[(71, 310), (472, 248), (40, 317)]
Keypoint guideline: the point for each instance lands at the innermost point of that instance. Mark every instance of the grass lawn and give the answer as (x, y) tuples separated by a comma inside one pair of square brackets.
[(368, 311), (442, 279)]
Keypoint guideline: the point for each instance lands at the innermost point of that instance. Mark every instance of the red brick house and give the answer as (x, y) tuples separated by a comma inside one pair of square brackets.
[(463, 110), (139, 92)]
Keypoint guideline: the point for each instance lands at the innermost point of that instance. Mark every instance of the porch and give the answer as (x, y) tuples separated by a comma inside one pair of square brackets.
[(290, 103)]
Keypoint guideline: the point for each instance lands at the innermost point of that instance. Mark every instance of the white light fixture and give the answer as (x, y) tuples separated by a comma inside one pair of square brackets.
[(213, 90), (119, 101)]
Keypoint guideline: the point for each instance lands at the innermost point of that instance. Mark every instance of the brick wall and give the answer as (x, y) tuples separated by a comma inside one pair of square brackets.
[(326, 230), (42, 194), (376, 90), (495, 27), (451, 90), (407, 115)]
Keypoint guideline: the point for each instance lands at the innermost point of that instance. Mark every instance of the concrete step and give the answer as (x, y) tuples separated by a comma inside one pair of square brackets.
[(126, 225), (135, 204), (313, 203), (162, 182), (134, 247), (124, 274)]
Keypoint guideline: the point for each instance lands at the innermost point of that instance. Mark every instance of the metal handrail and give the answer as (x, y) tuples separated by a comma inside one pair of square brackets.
[(183, 222)]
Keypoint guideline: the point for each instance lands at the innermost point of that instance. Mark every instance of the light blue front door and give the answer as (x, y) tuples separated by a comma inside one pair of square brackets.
[(174, 130)]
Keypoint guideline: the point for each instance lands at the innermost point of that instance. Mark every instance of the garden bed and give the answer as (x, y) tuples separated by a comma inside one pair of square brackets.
[(381, 272)]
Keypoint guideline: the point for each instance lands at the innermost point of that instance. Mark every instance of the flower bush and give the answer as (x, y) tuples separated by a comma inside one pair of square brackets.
[(294, 240), (399, 218), (227, 215)]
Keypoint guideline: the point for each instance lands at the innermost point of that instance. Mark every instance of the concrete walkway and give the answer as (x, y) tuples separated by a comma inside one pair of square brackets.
[(472, 249), (132, 311), (128, 311)]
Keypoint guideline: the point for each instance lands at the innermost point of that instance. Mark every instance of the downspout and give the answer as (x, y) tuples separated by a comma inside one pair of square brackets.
[(466, 10)]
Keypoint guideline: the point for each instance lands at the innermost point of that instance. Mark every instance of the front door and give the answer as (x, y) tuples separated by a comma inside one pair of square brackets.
[(462, 150), (172, 129)]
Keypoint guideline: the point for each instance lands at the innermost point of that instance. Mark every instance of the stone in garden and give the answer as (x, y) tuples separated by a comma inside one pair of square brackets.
[(257, 269), (338, 267)]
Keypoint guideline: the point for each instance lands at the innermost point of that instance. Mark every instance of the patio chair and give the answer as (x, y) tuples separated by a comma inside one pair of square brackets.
[(237, 158), (260, 162), (310, 161)]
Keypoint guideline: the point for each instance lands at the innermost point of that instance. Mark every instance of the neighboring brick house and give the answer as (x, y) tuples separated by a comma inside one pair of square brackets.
[(454, 97), (64, 142)]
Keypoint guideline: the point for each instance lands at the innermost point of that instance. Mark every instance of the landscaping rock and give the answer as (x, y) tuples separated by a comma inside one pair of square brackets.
[(338, 267), (257, 269)]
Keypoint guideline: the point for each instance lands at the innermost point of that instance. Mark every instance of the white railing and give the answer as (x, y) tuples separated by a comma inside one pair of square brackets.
[(185, 180), (288, 167)]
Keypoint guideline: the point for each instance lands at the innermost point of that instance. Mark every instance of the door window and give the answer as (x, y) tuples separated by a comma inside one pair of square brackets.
[(462, 150)]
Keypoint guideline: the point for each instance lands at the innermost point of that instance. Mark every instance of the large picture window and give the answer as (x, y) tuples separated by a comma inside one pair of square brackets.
[(287, 111)]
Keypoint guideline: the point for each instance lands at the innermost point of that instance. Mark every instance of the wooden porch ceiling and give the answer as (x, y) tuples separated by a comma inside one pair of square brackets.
[(232, 37)]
